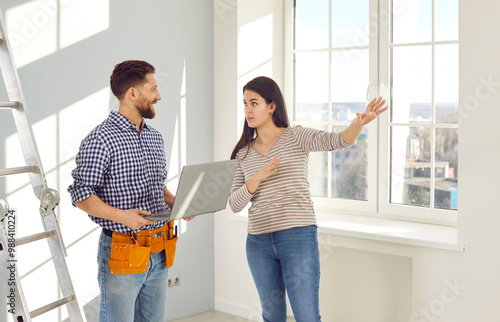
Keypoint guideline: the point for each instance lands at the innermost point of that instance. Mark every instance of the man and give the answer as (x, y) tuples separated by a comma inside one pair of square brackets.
[(119, 181)]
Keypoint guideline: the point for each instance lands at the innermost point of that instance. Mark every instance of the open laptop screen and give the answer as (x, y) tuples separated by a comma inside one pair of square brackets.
[(203, 188)]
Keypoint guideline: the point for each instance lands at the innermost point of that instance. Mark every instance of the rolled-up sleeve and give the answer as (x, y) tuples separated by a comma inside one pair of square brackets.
[(312, 140), (240, 196), (91, 163)]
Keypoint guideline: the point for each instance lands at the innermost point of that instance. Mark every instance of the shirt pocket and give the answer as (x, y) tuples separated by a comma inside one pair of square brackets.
[(128, 170)]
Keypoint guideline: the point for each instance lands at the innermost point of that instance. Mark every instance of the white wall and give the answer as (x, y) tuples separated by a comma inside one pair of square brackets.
[(247, 43), (479, 217), (64, 70), (365, 280)]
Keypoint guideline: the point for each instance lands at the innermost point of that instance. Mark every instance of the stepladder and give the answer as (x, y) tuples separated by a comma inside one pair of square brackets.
[(11, 281)]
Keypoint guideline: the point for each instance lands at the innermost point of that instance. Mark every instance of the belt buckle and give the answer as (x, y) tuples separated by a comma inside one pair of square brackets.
[(157, 234)]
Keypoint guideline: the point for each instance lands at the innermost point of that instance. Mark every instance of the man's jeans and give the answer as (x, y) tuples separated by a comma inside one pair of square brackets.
[(286, 260), (133, 297)]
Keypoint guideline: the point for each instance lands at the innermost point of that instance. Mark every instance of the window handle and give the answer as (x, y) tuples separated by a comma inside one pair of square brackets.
[(383, 91)]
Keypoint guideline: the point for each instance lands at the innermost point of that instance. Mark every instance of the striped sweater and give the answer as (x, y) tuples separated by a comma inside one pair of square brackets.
[(283, 200)]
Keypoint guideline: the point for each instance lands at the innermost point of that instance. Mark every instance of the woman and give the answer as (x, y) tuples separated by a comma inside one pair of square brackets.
[(282, 245)]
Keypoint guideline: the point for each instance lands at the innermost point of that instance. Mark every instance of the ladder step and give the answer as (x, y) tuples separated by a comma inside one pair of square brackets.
[(32, 238), (17, 170), (5, 105), (51, 306)]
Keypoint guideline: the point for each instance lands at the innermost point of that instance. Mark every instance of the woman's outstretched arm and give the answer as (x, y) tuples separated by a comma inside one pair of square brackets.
[(374, 109)]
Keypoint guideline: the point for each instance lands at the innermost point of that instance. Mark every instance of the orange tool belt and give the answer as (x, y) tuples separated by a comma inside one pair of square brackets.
[(130, 252)]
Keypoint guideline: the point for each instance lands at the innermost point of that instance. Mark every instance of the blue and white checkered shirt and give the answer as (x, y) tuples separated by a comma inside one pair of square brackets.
[(125, 168)]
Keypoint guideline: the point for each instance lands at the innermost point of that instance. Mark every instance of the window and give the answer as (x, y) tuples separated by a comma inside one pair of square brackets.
[(343, 53)]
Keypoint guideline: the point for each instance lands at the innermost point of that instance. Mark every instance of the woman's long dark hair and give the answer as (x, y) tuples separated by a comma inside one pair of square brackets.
[(270, 91)]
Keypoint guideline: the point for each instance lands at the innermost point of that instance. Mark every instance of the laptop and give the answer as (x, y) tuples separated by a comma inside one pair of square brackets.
[(203, 188)]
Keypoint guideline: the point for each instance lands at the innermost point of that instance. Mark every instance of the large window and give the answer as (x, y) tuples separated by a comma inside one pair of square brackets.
[(342, 54)]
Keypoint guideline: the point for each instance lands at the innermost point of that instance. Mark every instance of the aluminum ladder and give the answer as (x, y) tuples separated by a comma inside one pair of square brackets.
[(49, 198)]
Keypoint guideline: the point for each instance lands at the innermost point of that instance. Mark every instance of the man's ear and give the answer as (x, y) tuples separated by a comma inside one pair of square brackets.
[(131, 93)]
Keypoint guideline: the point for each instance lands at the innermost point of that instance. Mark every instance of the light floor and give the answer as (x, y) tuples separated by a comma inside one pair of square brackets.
[(216, 316), (212, 316)]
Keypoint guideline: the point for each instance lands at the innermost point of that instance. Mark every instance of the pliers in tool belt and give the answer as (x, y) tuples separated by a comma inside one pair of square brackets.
[(133, 237)]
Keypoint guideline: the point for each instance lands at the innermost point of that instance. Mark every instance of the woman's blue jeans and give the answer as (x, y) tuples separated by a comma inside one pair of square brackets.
[(286, 261), (133, 297)]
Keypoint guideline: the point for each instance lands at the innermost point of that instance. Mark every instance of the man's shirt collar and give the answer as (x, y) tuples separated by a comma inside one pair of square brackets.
[(124, 123)]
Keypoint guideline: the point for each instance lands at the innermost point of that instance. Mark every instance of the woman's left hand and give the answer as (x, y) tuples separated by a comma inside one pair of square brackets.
[(373, 110)]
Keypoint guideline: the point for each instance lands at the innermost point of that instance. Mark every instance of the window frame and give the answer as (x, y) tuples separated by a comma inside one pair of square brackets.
[(378, 192), (399, 211)]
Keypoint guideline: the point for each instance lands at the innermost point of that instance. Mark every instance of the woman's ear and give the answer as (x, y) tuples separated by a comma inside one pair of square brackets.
[(273, 108)]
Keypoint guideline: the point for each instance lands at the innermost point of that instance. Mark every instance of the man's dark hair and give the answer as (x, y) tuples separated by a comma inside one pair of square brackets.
[(129, 73)]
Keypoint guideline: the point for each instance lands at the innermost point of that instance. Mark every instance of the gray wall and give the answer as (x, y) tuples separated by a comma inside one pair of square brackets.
[(176, 36)]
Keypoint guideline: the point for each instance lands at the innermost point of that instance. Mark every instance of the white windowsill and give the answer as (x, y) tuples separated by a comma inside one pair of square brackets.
[(391, 231), (386, 230)]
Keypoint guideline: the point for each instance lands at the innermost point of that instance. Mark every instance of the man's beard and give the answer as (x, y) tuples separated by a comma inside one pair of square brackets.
[(145, 109)]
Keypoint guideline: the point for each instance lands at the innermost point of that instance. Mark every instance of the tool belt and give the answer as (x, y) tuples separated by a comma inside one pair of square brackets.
[(130, 251)]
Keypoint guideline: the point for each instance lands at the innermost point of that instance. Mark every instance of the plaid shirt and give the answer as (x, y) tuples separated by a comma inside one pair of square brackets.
[(125, 168)]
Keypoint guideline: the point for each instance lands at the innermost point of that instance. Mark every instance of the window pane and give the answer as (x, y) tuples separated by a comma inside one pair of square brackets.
[(311, 87), (311, 24), (349, 83), (318, 171), (446, 175), (446, 16), (410, 165), (446, 83), (411, 21), (411, 84), (349, 169), (350, 23)]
